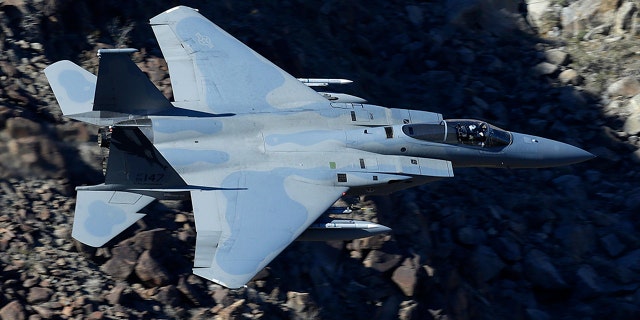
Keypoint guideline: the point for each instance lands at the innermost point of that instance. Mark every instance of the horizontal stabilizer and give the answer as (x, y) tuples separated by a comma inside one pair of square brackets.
[(102, 215), (73, 86)]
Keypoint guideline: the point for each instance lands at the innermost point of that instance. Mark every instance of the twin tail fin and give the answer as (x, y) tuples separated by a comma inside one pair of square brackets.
[(121, 91)]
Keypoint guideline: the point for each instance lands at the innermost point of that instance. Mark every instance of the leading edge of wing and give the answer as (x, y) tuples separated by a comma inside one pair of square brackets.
[(240, 231), (211, 71)]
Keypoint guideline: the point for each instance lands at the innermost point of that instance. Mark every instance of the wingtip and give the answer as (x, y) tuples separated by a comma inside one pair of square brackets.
[(181, 8), (164, 17), (208, 274)]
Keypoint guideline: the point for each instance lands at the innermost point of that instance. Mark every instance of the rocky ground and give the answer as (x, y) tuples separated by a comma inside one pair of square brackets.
[(488, 244)]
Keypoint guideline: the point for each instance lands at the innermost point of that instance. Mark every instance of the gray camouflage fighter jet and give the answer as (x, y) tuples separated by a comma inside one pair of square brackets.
[(259, 153)]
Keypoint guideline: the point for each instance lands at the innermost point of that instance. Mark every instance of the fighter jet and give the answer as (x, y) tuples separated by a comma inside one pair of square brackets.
[(260, 154)]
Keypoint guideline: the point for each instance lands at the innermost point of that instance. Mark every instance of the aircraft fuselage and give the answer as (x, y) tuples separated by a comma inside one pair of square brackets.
[(364, 147)]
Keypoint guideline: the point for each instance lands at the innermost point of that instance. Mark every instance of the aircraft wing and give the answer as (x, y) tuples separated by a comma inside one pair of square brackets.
[(211, 71), (240, 230)]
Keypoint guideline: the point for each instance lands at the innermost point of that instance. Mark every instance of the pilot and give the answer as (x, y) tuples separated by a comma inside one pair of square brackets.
[(482, 134), (462, 132), (483, 131), (474, 134)]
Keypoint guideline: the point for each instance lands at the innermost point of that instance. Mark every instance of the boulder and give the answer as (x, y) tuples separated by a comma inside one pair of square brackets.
[(298, 301), (545, 69), (469, 235), (19, 127), (150, 271), (631, 107), (153, 240), (625, 87), (195, 295), (484, 264), (415, 15), (541, 272), (13, 311), (630, 261), (168, 296), (587, 282), (494, 15), (232, 311), (508, 249), (406, 275), (579, 15), (43, 312), (39, 294), (576, 239), (623, 22), (632, 125), (557, 57), (540, 12), (570, 76), (122, 263), (536, 314), (635, 156), (115, 296), (381, 261), (568, 181), (612, 244)]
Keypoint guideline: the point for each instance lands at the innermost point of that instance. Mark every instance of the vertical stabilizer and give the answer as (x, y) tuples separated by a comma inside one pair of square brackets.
[(135, 162), (123, 88)]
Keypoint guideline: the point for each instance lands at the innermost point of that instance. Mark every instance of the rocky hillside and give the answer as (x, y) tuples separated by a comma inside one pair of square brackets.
[(542, 244)]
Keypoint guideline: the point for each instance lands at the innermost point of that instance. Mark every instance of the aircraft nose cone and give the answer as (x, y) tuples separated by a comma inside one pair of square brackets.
[(571, 154), (536, 152), (555, 153)]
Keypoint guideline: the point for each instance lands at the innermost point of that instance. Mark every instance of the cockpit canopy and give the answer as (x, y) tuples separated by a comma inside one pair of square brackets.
[(464, 131)]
